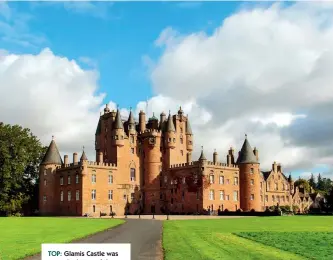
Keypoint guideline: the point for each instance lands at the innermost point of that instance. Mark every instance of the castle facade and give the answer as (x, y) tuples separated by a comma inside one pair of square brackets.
[(147, 167)]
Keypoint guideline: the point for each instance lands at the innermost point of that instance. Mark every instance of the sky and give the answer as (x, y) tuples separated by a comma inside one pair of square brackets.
[(236, 68)]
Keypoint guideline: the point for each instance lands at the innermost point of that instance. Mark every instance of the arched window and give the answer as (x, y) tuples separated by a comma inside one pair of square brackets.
[(94, 208), (132, 174)]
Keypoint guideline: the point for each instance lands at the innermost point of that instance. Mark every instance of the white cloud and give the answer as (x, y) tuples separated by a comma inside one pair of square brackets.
[(265, 72)]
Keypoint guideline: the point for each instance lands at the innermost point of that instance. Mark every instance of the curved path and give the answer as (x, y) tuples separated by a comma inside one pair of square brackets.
[(144, 235)]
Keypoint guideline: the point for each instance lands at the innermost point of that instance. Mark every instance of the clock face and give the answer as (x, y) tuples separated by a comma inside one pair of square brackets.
[(151, 140)]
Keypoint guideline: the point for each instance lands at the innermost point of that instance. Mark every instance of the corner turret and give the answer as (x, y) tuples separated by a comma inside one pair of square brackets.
[(189, 136), (170, 135), (118, 131)]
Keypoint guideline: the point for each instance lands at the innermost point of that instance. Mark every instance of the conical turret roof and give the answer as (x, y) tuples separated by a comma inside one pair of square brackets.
[(170, 125), (202, 156), (188, 127), (84, 156), (118, 124), (246, 154), (131, 120), (52, 155)]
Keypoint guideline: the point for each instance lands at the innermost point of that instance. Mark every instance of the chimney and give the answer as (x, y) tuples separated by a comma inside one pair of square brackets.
[(215, 157), (256, 153), (100, 157), (274, 167), (279, 168), (189, 157), (228, 159), (75, 158), (142, 121), (66, 160)]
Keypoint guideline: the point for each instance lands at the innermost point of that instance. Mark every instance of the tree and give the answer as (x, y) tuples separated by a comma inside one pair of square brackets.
[(320, 183), (312, 181), (20, 155), (304, 183)]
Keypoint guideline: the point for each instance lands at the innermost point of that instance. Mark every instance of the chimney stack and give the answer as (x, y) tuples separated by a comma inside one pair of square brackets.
[(66, 160), (215, 157), (279, 168), (189, 157), (75, 158), (228, 160), (274, 167)]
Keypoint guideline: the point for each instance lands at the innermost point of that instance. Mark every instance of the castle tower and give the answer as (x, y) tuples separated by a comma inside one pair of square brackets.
[(153, 122), (47, 170), (142, 121), (152, 167), (249, 175), (215, 157), (118, 131), (162, 120), (189, 136), (169, 141), (83, 156), (98, 138)]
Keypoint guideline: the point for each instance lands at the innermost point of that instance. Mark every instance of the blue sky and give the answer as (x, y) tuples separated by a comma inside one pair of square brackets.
[(115, 37)]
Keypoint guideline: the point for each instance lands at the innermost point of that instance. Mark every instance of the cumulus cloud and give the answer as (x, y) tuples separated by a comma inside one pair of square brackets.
[(264, 72)]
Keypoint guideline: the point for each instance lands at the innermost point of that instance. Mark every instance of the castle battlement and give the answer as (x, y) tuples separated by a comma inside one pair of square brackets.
[(106, 165), (222, 164), (69, 166), (180, 165), (150, 131)]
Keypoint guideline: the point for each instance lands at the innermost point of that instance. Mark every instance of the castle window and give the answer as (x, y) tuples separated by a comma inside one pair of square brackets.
[(189, 142), (44, 198), (69, 180), (124, 197), (211, 194), (132, 150), (77, 195), (182, 152), (184, 180), (273, 198), (169, 140), (279, 177), (69, 196), (93, 194), (282, 197), (276, 186), (165, 179), (211, 178), (181, 130), (121, 137), (44, 182), (110, 179), (235, 195), (110, 195), (93, 178), (252, 197), (228, 181), (235, 181), (181, 140), (221, 179), (252, 170), (94, 208), (221, 195), (132, 139), (45, 172), (287, 198), (227, 197), (278, 198), (61, 196), (116, 137), (283, 186), (61, 180), (252, 181), (132, 174), (174, 140), (266, 198)]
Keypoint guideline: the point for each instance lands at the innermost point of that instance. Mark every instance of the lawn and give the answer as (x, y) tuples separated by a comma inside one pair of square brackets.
[(294, 237), (22, 237)]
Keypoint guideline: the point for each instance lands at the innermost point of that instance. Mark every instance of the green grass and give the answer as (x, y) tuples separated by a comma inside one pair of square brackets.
[(297, 237), (22, 237)]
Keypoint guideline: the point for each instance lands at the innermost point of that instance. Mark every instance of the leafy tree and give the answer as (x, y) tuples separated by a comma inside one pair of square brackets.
[(320, 183), (312, 181), (20, 155), (304, 183)]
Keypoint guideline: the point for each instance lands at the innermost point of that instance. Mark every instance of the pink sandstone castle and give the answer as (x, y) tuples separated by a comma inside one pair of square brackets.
[(147, 167)]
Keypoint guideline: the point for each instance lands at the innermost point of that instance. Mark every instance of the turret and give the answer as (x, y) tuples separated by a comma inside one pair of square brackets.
[(142, 121), (118, 131), (170, 135), (131, 122), (106, 109), (202, 158), (189, 157), (249, 175), (215, 157), (162, 120), (189, 136), (47, 169), (153, 122), (83, 156)]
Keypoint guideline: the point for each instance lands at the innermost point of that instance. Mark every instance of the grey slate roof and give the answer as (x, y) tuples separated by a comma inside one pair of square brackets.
[(188, 127), (118, 124), (99, 128), (131, 118), (83, 157), (202, 156), (52, 155), (170, 125), (246, 154)]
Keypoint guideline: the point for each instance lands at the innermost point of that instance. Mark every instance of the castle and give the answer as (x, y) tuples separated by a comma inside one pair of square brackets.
[(147, 167)]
